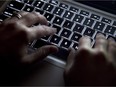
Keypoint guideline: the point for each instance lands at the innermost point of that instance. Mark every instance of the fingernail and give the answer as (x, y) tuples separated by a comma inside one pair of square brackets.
[(87, 36), (100, 34)]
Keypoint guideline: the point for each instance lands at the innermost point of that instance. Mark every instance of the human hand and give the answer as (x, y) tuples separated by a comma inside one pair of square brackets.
[(92, 66), (15, 34)]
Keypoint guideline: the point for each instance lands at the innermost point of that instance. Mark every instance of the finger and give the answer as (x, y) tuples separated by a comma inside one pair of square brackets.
[(32, 18), (14, 18), (40, 54), (40, 31), (70, 59), (112, 49), (22, 13), (101, 42), (85, 41)]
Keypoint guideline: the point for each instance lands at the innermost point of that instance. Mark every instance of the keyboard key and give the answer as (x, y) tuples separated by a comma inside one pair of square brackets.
[(106, 20), (48, 7), (94, 16), (65, 43), (9, 11), (55, 39), (99, 26), (109, 36), (78, 18), (46, 37), (68, 15), (114, 23), (68, 24), (28, 8), (88, 22), (48, 16), (78, 28), (39, 10), (16, 5), (109, 29), (65, 33), (54, 2), (58, 11), (76, 37), (38, 4), (89, 32), (3, 17), (63, 5), (85, 13), (58, 28), (75, 46), (58, 20), (73, 9)]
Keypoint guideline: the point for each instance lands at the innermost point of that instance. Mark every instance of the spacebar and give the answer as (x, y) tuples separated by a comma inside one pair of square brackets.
[(61, 54)]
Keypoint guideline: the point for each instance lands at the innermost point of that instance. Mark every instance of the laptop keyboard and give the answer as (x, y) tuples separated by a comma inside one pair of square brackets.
[(71, 23)]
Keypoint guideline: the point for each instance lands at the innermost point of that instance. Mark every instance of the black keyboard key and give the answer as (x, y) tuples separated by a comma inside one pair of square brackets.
[(28, 8), (54, 2), (75, 46), (58, 11), (48, 7), (48, 16), (78, 18), (68, 24), (65, 43), (63, 5), (94, 16), (68, 15), (9, 11), (106, 20), (46, 37), (38, 4), (55, 39), (109, 36), (89, 32), (78, 28), (3, 17), (114, 24), (88, 22), (16, 5), (40, 43), (39, 10), (76, 37), (73, 9), (58, 28), (65, 33), (58, 20), (99, 26), (109, 29), (85, 13)]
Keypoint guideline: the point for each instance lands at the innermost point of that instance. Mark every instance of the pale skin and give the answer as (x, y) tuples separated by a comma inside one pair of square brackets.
[(86, 66)]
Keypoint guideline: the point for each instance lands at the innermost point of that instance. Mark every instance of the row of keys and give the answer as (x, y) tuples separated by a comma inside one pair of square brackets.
[(59, 11)]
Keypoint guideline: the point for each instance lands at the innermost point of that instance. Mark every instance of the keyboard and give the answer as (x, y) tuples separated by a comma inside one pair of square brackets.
[(71, 23)]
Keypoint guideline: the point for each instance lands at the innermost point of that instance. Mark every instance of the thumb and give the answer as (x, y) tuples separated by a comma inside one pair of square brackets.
[(40, 54)]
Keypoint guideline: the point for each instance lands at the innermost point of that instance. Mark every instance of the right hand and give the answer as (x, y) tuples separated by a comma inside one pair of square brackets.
[(92, 66)]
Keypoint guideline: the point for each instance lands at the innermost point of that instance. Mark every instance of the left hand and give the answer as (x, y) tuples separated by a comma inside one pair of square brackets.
[(15, 34)]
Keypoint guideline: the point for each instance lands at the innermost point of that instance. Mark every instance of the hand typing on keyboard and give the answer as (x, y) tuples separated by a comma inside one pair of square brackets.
[(16, 33), (92, 66)]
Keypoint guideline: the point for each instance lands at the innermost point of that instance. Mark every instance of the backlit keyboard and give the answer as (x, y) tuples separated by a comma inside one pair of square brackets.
[(71, 23)]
